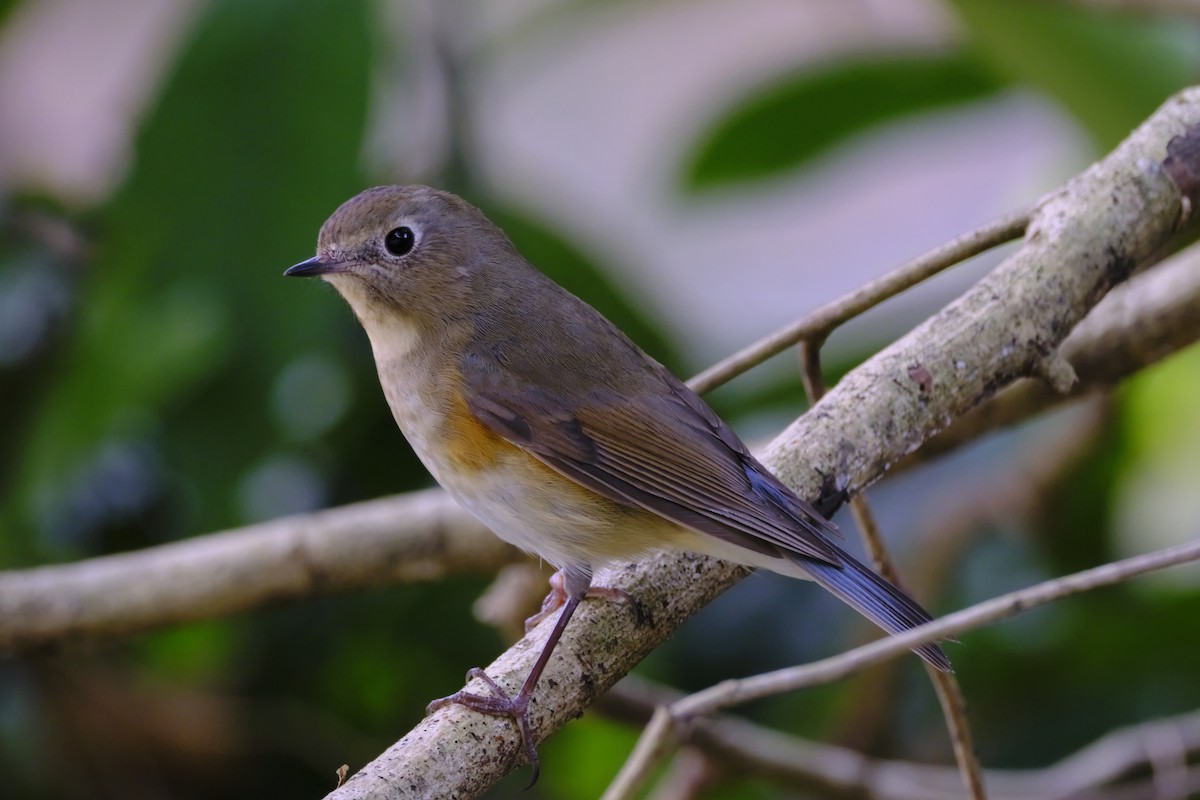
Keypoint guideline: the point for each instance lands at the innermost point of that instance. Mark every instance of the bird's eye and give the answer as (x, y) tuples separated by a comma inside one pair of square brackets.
[(399, 241)]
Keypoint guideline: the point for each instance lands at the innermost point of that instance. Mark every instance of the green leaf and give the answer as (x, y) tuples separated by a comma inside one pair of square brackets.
[(805, 114), (6, 8), (1108, 70)]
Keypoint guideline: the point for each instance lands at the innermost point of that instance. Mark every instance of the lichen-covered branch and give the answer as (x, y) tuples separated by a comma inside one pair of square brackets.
[(1139, 323), (1081, 241)]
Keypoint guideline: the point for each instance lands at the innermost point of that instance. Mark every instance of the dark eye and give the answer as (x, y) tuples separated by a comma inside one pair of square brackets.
[(399, 241)]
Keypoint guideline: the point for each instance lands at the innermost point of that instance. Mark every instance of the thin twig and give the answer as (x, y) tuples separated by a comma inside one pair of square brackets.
[(954, 710), (734, 692), (658, 740), (817, 324), (839, 772), (949, 693), (869, 532), (690, 775), (811, 374), (730, 693)]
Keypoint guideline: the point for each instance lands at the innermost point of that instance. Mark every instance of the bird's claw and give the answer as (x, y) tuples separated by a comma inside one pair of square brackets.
[(498, 704)]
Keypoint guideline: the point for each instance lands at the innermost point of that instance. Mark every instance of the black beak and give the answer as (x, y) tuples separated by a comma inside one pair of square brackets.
[(314, 267)]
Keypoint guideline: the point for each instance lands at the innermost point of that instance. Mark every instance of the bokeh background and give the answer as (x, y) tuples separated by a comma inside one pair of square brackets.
[(703, 172)]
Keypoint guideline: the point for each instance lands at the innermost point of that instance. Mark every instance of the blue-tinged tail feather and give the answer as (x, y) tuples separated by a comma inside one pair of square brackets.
[(874, 598)]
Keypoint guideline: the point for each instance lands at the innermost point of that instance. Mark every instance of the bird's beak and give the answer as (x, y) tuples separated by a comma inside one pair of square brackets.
[(315, 266)]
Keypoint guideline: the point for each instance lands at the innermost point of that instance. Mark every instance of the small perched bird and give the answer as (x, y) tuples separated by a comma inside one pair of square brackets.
[(545, 421)]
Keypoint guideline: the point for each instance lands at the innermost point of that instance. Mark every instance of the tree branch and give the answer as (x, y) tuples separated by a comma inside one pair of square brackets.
[(419, 536), (734, 692), (1155, 314), (1081, 241), (818, 324)]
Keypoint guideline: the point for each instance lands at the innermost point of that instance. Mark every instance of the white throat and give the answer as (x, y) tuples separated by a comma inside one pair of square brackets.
[(393, 335)]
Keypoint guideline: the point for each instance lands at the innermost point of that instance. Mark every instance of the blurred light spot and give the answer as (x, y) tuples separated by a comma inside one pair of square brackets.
[(123, 477), (1002, 563), (31, 302), (279, 486), (117, 483), (1157, 507), (310, 395), (1156, 504)]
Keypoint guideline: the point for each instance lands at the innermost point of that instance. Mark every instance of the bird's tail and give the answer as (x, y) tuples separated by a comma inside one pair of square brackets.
[(874, 598)]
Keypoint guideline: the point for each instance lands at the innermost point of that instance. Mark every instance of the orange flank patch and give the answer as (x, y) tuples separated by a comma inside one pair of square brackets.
[(529, 503), (470, 445)]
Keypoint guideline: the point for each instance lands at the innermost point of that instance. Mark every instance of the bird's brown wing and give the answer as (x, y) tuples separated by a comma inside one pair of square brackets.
[(665, 450)]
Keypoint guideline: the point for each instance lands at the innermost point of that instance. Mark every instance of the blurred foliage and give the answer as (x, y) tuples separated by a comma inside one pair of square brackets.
[(1108, 70), (158, 380), (797, 120), (177, 324)]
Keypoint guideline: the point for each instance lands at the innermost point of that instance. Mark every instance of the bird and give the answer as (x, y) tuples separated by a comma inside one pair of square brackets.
[(545, 421)]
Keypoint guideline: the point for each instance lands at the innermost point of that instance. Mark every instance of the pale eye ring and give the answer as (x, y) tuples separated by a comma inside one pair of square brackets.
[(400, 241)]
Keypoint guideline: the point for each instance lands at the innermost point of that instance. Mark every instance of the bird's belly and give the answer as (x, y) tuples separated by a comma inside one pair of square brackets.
[(529, 505), (555, 521)]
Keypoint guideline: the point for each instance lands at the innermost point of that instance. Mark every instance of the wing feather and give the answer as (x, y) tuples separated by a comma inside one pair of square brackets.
[(655, 451)]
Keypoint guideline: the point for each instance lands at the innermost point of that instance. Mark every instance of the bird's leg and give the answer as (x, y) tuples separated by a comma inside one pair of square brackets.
[(558, 596), (500, 703)]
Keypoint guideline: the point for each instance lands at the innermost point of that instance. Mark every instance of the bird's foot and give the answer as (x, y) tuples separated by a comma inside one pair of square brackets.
[(499, 704), (558, 597)]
